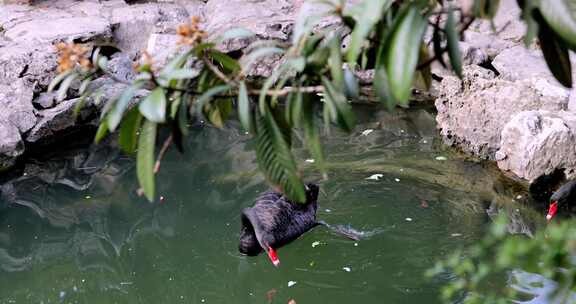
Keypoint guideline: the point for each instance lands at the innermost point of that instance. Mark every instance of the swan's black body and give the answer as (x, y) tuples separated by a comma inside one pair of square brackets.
[(564, 200), (275, 221)]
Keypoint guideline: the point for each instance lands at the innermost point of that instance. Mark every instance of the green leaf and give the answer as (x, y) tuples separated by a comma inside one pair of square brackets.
[(153, 107), (401, 55), (184, 73), (209, 94), (249, 60), (424, 74), (382, 87), (453, 49), (335, 63), (313, 136), (218, 112), (58, 79), (84, 85), (556, 55), (64, 86), (351, 86), (275, 157), (129, 131), (366, 14), (344, 115), (234, 33), (560, 15), (174, 64), (225, 61), (437, 43), (244, 109), (145, 159), (102, 130), (294, 109), (118, 109)]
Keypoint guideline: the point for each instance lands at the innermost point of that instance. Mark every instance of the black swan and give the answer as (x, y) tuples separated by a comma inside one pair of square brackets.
[(275, 221), (564, 198)]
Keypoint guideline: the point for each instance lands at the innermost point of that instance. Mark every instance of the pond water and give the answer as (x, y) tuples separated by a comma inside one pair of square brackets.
[(72, 229)]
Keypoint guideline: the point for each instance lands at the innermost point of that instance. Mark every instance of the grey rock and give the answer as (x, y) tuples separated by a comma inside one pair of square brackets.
[(535, 143), (472, 112), (134, 24), (120, 65), (45, 100), (11, 145), (507, 23), (51, 121), (268, 19), (35, 63), (16, 105), (49, 29)]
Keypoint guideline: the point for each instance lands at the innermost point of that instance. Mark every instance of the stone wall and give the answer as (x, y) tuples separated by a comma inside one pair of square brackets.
[(30, 29), (508, 107)]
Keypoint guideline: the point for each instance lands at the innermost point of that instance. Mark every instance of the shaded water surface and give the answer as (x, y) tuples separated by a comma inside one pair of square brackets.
[(72, 229)]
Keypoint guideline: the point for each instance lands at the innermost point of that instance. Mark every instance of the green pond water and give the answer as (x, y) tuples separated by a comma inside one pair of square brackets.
[(72, 229)]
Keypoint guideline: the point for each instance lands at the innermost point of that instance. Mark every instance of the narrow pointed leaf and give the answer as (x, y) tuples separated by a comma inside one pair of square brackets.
[(225, 61), (153, 107), (556, 55), (382, 88), (453, 40), (244, 109), (102, 130), (401, 55), (64, 86), (128, 137), (234, 33), (145, 159), (275, 158), (208, 95), (560, 15), (120, 106), (58, 79), (366, 15), (344, 115)]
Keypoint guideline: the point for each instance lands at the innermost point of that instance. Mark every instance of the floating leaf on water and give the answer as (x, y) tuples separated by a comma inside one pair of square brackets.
[(375, 176), (367, 131), (291, 283)]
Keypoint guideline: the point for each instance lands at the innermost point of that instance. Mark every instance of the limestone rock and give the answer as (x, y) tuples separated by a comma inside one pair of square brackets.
[(472, 112), (11, 145), (35, 63), (535, 143), (134, 24), (268, 19), (51, 121), (16, 105), (52, 29)]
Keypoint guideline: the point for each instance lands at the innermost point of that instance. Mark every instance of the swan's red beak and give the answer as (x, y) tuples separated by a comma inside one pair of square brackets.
[(552, 210), (273, 257)]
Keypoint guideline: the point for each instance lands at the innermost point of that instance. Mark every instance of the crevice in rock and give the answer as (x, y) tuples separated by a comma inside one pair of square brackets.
[(543, 187), (488, 65)]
